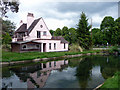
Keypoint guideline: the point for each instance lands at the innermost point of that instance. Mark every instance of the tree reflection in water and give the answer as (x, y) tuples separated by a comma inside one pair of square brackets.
[(35, 75), (83, 72)]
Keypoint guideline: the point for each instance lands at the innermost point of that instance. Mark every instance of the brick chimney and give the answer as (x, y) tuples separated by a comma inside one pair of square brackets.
[(30, 19)]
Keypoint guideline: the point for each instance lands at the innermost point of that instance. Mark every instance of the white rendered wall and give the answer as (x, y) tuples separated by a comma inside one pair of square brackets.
[(33, 33), (59, 45)]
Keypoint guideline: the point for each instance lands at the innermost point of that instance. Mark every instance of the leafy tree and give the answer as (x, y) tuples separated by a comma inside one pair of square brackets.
[(65, 31), (67, 37), (58, 32), (107, 29), (97, 36), (52, 32), (6, 38), (83, 34), (72, 35), (8, 27), (6, 5), (117, 27)]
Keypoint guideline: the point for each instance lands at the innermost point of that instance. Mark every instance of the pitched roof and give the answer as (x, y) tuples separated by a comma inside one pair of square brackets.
[(22, 28), (59, 38), (33, 25)]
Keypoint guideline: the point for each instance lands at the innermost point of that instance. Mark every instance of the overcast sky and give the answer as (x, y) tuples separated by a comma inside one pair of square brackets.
[(59, 14)]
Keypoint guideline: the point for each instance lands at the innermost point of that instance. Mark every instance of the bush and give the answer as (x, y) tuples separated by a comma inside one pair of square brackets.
[(113, 49), (75, 48)]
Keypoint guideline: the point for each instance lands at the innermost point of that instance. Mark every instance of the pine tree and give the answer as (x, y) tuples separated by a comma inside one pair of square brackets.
[(83, 34)]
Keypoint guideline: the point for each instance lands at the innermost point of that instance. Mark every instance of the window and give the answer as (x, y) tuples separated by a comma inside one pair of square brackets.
[(38, 34), (41, 26), (24, 46), (37, 46), (54, 45), (49, 45), (44, 65), (49, 64), (44, 33), (64, 46), (54, 63)]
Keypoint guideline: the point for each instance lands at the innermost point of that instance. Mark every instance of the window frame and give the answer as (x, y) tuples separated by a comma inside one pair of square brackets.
[(50, 46), (55, 46), (64, 46), (44, 33), (41, 26), (23, 46), (38, 34)]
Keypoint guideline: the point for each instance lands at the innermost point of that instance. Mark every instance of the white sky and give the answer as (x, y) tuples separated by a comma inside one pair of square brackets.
[(60, 13)]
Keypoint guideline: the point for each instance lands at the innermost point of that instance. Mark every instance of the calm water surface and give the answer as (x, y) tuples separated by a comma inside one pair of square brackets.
[(87, 72)]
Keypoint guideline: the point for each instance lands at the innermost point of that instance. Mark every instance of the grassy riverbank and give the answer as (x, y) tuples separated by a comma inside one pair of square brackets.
[(112, 82), (12, 56)]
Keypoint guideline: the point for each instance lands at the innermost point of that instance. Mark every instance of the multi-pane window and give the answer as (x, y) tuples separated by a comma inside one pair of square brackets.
[(64, 46), (54, 45), (44, 33), (38, 34), (49, 45)]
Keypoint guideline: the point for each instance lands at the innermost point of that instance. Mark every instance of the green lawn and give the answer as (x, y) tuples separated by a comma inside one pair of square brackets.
[(13, 56), (113, 82)]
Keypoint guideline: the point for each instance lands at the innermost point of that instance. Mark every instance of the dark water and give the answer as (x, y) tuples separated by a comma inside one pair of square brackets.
[(87, 72)]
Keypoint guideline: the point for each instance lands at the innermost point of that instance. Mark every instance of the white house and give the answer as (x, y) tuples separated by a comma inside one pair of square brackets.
[(35, 36)]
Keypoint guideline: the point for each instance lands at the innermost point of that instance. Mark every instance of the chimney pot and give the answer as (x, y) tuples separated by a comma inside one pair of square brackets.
[(30, 14)]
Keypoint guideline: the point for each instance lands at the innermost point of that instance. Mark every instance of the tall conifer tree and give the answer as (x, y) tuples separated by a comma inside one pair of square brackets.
[(83, 34)]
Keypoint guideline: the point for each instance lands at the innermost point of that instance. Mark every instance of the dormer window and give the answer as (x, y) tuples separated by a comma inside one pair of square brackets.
[(41, 26), (44, 33)]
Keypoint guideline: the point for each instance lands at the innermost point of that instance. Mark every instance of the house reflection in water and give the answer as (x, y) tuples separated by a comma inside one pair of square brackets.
[(37, 75)]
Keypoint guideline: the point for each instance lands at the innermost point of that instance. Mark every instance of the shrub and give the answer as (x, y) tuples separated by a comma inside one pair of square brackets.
[(75, 48)]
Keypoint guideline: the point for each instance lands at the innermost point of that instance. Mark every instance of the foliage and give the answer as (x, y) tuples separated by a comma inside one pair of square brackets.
[(113, 49), (112, 82), (96, 36), (65, 31), (109, 32), (58, 32), (83, 34), (6, 38), (52, 32), (7, 5), (75, 48), (8, 27), (72, 35), (117, 27)]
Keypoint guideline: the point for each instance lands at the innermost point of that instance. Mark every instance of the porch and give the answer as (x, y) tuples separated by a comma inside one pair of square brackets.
[(41, 47)]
